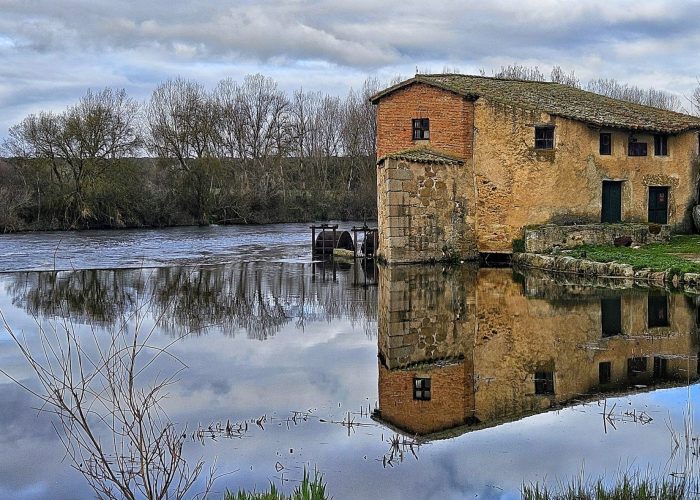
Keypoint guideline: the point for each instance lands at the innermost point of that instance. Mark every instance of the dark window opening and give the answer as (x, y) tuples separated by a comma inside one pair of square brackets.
[(636, 148), (660, 367), (604, 372), (421, 389), (544, 137), (544, 383), (421, 128), (635, 366), (611, 316), (658, 204), (605, 143), (660, 145), (657, 311)]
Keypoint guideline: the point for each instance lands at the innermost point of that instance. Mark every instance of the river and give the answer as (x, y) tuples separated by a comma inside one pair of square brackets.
[(393, 382)]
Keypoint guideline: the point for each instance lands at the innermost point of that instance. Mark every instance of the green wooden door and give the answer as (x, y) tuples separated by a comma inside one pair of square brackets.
[(612, 202)]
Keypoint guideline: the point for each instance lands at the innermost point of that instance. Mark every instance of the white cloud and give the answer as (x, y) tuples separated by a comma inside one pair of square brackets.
[(53, 51)]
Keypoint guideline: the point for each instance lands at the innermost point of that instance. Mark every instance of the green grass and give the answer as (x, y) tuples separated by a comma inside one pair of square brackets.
[(627, 487), (657, 256), (309, 489)]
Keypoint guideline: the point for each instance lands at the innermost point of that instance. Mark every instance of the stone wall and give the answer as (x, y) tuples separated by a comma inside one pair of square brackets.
[(451, 120), (425, 211), (543, 239), (505, 184), (518, 185)]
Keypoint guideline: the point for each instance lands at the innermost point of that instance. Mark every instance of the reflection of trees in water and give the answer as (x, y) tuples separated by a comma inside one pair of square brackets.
[(86, 296), (256, 297)]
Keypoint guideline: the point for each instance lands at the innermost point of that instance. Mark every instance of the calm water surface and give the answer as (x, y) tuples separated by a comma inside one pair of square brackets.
[(403, 382)]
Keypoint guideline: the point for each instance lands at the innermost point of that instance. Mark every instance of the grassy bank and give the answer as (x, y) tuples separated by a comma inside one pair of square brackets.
[(627, 487), (675, 256)]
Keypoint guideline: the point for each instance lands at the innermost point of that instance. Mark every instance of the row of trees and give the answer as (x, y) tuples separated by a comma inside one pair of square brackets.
[(605, 86), (242, 152)]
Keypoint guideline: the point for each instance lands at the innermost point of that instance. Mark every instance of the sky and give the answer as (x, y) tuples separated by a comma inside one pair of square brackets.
[(52, 52)]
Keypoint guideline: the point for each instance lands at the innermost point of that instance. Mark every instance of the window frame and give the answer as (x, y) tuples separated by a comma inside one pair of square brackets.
[(633, 145), (637, 366), (544, 143), (660, 145), (657, 311), (422, 389), (420, 129), (604, 372), (544, 383), (605, 150)]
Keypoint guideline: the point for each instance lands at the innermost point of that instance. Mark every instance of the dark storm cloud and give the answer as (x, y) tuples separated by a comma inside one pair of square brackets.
[(51, 50)]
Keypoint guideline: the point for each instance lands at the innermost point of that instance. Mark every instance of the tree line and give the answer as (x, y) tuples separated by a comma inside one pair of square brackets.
[(240, 153), (609, 87)]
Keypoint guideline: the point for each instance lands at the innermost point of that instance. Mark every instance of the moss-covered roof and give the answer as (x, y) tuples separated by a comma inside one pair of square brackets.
[(423, 154), (559, 100)]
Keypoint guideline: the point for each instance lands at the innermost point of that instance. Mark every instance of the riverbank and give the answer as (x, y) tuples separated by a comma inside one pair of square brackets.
[(675, 264)]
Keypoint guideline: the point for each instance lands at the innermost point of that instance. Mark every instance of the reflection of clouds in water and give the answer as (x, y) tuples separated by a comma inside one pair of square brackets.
[(31, 464), (330, 367)]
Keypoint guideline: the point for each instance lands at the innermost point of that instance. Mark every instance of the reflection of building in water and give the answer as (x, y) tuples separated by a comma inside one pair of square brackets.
[(473, 347)]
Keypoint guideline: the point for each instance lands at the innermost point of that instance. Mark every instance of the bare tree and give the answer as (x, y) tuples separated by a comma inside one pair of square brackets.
[(181, 128), (520, 72), (695, 101), (109, 416), (558, 75), (359, 132), (649, 97), (79, 143)]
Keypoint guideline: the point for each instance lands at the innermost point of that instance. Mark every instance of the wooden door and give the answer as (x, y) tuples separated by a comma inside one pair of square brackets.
[(658, 204), (612, 202)]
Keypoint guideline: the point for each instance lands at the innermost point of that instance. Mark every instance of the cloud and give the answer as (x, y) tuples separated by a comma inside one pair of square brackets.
[(53, 51)]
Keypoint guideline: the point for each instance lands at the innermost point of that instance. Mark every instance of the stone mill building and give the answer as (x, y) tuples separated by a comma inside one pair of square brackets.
[(465, 163)]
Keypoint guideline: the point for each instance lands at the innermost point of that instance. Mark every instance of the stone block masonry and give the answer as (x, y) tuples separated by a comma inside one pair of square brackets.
[(544, 239), (424, 212)]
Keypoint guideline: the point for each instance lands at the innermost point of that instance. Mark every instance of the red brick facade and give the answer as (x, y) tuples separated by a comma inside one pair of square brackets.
[(451, 405), (451, 120)]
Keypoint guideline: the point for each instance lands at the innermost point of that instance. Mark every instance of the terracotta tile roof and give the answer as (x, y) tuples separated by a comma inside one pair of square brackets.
[(423, 154), (559, 100)]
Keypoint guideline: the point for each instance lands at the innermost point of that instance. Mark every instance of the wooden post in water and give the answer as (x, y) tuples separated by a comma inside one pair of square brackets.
[(313, 241)]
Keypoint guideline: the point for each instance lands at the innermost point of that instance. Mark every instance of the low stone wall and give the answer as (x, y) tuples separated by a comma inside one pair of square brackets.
[(544, 239), (689, 282)]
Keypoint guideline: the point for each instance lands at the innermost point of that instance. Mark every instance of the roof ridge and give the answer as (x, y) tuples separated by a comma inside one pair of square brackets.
[(556, 99)]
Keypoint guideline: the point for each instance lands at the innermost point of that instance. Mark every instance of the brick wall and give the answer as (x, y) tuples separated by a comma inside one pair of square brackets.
[(451, 403), (451, 120)]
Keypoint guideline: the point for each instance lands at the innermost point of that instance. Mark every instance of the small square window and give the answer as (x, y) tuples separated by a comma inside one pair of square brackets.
[(421, 128), (636, 148), (604, 372), (544, 137), (421, 389), (605, 143), (660, 145), (636, 366), (544, 383)]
